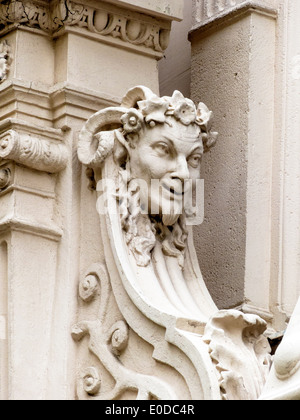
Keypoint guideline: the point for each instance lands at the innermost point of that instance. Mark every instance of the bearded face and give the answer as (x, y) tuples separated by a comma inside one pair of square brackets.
[(157, 146), (162, 161)]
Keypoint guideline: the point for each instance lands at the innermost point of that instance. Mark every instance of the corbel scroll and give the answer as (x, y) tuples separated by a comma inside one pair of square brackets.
[(40, 154)]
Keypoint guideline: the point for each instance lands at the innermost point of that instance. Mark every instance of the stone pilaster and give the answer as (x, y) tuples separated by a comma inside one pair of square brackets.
[(234, 67)]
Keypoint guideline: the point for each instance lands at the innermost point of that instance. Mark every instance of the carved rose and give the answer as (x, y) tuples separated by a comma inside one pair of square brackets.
[(182, 109), (154, 109), (209, 140), (185, 112), (132, 121), (204, 120), (204, 117)]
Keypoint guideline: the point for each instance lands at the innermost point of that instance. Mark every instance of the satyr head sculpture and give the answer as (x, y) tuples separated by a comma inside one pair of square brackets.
[(152, 263), (157, 144)]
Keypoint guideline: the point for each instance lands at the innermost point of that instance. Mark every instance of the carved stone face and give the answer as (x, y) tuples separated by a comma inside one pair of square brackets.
[(166, 156)]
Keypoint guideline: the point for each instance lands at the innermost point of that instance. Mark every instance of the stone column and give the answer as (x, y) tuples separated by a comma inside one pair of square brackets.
[(59, 63), (234, 71), (285, 283)]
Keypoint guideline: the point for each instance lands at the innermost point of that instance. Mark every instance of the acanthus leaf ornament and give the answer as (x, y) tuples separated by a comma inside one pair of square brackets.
[(240, 353), (108, 346), (135, 30)]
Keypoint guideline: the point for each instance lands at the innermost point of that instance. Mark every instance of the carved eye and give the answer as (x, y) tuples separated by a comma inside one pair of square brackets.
[(162, 149), (194, 160)]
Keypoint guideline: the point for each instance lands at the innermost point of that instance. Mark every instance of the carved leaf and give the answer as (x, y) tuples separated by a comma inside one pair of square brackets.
[(241, 354)]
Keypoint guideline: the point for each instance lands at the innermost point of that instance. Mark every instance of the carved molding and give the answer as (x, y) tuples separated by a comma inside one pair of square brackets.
[(108, 345), (106, 21), (240, 355), (34, 152)]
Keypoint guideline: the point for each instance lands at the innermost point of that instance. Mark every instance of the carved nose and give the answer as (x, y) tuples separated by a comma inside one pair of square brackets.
[(182, 171)]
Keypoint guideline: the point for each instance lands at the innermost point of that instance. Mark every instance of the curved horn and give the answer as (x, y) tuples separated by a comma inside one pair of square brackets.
[(133, 96), (93, 153)]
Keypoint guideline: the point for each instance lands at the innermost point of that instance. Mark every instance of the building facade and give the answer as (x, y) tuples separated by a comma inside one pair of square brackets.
[(68, 277)]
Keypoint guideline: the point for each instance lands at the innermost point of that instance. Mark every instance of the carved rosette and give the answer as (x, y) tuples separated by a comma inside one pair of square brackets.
[(132, 28), (33, 152)]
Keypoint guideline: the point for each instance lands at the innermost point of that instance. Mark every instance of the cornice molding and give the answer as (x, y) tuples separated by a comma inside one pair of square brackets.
[(20, 101), (105, 21), (211, 14), (8, 224)]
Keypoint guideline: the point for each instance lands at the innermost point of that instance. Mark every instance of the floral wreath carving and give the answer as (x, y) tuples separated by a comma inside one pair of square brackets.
[(141, 108), (156, 110)]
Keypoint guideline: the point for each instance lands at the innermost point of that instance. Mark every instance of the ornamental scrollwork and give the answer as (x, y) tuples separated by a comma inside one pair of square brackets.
[(108, 345), (33, 152)]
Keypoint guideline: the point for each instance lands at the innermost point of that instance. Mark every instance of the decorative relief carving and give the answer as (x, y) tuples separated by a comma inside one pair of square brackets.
[(149, 249), (153, 117), (25, 13), (108, 346), (5, 177), (4, 60), (240, 353), (135, 29), (33, 152), (91, 381)]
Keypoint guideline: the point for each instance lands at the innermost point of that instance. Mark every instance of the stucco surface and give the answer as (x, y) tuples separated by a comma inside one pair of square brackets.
[(220, 240)]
